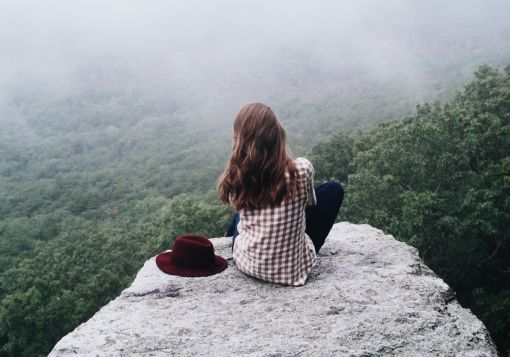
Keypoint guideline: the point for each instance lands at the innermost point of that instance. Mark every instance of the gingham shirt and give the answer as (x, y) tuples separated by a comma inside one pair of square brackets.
[(272, 244)]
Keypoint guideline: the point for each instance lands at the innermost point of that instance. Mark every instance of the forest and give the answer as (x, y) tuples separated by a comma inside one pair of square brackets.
[(116, 121), (76, 231)]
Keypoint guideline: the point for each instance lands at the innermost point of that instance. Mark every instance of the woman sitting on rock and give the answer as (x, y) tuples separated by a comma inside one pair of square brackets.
[(282, 221)]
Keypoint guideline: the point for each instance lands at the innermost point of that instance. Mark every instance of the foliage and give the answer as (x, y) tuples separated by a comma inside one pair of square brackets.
[(97, 177), (332, 157), (187, 214), (85, 263)]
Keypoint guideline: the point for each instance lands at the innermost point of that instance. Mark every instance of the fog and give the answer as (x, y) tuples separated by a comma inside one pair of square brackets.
[(217, 55)]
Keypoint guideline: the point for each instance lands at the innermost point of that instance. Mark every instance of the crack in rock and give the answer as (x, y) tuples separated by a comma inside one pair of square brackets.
[(420, 269), (448, 296), (170, 291)]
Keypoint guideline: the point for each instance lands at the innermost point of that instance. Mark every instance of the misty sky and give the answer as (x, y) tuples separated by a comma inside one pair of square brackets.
[(241, 49)]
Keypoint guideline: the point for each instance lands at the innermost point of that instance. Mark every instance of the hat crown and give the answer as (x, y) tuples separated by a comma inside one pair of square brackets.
[(193, 251)]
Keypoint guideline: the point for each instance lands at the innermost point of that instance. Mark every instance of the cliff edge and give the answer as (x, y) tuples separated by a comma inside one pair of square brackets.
[(368, 295)]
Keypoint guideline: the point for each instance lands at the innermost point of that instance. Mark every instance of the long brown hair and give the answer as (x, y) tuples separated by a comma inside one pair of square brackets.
[(255, 176)]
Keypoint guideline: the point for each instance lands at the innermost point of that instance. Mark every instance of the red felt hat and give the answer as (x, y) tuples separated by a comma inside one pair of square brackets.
[(191, 255)]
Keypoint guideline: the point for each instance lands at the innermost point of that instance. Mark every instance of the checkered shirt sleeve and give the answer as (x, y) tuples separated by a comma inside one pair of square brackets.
[(272, 244)]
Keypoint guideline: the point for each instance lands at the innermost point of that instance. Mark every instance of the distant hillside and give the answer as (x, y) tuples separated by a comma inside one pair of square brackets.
[(105, 162)]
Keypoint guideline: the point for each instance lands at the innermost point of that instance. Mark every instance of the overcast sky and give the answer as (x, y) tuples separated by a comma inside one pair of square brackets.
[(205, 43)]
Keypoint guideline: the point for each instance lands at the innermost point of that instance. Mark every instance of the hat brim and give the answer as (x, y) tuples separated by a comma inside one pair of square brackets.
[(163, 263)]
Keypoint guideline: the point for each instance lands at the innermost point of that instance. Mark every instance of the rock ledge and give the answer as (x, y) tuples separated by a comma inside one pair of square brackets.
[(368, 295)]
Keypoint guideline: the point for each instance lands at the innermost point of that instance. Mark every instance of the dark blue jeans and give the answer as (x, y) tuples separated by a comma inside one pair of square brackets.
[(319, 218)]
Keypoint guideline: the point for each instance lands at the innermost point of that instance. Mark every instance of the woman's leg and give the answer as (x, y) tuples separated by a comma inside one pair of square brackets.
[(321, 217), (232, 229)]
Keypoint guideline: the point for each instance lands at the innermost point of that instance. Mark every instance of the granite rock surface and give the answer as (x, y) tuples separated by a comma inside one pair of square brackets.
[(367, 295)]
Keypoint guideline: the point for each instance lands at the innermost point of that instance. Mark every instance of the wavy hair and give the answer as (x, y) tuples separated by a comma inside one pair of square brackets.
[(256, 173)]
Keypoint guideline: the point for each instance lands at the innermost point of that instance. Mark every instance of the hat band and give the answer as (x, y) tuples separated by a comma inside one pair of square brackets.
[(186, 262)]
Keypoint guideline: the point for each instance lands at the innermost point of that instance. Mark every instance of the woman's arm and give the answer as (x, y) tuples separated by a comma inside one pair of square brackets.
[(309, 172)]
